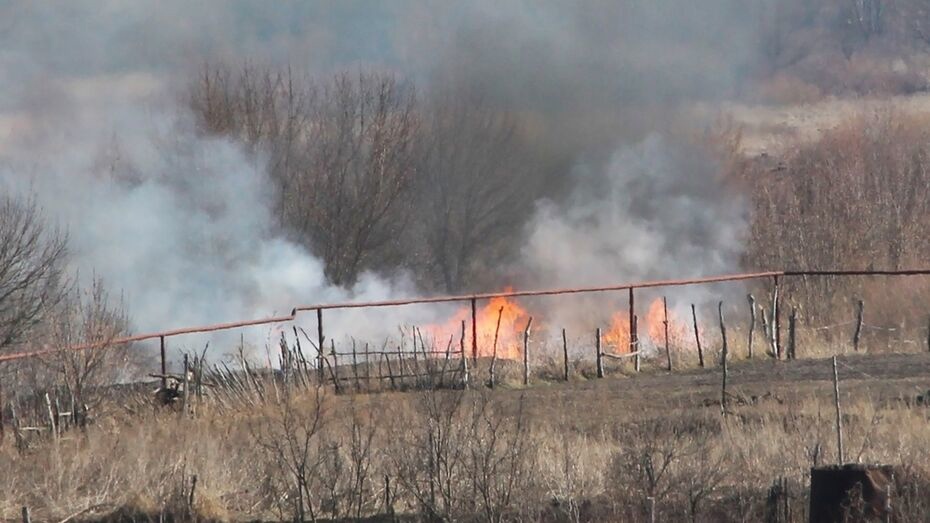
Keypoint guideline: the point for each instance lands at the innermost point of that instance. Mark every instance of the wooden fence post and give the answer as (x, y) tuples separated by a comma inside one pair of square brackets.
[(723, 359), (185, 398), (474, 331), (634, 338), (792, 334), (564, 355), (53, 430), (752, 321), (26, 518), (319, 342), (668, 350), (335, 366), (858, 334), (464, 357), (839, 419), (368, 366), (776, 320), (497, 329), (526, 352), (697, 337), (355, 364), (164, 364), (597, 351)]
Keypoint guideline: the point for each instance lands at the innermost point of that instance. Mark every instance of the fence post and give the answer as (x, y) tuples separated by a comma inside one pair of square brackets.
[(668, 350), (474, 331), (752, 321), (526, 352), (164, 365), (723, 359), (51, 418), (839, 419), (792, 334), (464, 357), (319, 342), (776, 321), (497, 329), (697, 337), (185, 398), (332, 344), (565, 355), (634, 338), (597, 352), (26, 518), (858, 334), (355, 364)]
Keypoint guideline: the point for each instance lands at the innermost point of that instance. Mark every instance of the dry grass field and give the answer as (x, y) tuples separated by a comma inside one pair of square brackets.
[(623, 448)]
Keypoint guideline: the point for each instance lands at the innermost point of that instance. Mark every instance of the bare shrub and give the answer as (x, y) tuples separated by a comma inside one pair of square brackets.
[(461, 457), (290, 440), (31, 268), (89, 317)]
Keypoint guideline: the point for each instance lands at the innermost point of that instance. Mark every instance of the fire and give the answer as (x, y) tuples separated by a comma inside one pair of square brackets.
[(650, 329), (513, 319)]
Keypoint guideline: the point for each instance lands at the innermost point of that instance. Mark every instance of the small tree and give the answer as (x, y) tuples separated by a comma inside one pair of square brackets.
[(32, 256), (88, 318)]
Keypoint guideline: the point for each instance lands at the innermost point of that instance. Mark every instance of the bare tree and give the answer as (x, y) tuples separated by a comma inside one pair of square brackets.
[(474, 186), (88, 317), (31, 268), (359, 163)]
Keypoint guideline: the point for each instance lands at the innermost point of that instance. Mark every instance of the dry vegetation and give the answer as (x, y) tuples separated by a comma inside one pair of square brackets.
[(374, 174), (606, 450)]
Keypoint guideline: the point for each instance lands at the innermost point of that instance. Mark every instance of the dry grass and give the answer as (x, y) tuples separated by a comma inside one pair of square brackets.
[(585, 451)]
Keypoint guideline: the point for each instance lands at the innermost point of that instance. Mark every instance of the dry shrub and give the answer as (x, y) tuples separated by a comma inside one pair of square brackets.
[(851, 200)]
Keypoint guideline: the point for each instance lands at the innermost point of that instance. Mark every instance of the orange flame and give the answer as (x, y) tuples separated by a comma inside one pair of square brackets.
[(650, 329), (513, 319)]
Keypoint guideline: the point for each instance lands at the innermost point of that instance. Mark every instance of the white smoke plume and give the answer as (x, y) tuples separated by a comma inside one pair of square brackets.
[(657, 211)]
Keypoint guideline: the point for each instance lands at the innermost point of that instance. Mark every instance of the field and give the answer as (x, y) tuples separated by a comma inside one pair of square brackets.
[(624, 448)]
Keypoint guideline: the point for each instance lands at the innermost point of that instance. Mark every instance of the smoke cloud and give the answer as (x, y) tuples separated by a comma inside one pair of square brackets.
[(182, 225)]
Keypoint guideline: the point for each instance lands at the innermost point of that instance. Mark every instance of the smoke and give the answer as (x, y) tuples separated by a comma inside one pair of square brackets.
[(182, 226), (657, 211)]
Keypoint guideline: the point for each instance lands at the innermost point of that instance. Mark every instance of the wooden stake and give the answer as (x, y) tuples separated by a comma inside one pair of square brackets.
[(775, 322), (497, 329), (857, 335), (839, 419), (723, 359), (464, 357), (355, 364), (164, 364), (51, 418), (185, 398), (634, 338), (697, 337), (474, 331), (928, 334), (597, 351), (526, 352), (319, 343), (668, 350), (752, 321), (565, 355), (367, 367), (26, 518), (387, 361), (335, 366), (792, 334)]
